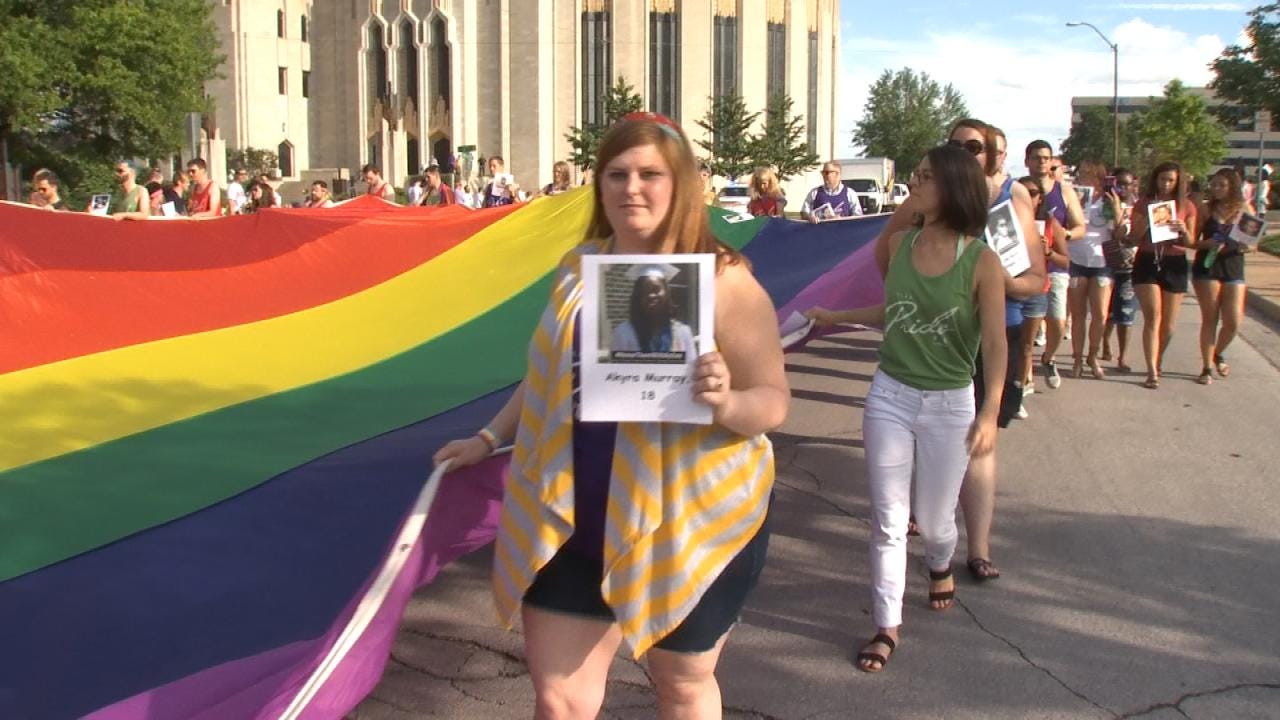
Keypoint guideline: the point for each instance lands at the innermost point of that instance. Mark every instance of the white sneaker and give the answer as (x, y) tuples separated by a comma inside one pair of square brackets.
[(1039, 341), (1022, 413), (1028, 389)]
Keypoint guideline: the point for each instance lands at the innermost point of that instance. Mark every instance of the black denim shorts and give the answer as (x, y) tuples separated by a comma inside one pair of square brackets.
[(570, 583)]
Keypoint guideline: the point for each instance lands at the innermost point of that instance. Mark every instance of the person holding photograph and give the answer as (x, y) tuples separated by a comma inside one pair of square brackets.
[(831, 199), (944, 296), (651, 325), (988, 146), (501, 188), (1217, 273), (1160, 269), (766, 195), (1119, 253), (668, 567), (1089, 294)]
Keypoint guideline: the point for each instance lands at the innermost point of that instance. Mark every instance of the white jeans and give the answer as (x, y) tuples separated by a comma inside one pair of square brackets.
[(906, 429)]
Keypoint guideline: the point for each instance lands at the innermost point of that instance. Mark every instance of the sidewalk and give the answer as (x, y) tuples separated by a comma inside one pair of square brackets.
[(1262, 272)]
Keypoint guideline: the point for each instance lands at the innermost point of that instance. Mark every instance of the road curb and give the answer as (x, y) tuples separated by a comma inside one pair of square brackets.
[(1264, 305)]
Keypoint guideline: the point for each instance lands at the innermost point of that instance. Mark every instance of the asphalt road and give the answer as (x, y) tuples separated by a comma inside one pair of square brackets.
[(1136, 531)]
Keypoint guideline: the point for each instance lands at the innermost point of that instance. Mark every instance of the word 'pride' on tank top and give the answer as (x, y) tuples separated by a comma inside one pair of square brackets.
[(931, 323)]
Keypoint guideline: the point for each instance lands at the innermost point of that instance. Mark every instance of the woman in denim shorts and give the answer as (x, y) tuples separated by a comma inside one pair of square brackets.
[(1090, 290), (1119, 253), (1218, 273), (1053, 238)]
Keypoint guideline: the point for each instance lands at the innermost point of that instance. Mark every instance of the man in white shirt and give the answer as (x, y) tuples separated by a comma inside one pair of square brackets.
[(831, 199), (236, 195)]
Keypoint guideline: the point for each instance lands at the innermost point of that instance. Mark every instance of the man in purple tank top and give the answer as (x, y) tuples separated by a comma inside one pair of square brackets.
[(831, 199), (1060, 198)]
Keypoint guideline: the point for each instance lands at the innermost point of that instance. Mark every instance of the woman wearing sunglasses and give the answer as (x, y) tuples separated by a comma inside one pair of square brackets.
[(944, 295), (987, 145)]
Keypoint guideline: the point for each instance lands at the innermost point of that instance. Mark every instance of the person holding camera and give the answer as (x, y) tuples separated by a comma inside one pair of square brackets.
[(502, 189)]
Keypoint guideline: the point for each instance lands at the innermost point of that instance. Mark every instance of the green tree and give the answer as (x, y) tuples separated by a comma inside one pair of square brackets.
[(257, 162), (783, 143), (112, 79), (1092, 137), (1180, 127), (1248, 75), (619, 100), (728, 142), (905, 115)]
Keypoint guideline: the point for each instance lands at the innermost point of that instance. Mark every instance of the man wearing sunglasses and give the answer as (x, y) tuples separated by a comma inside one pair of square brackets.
[(44, 185), (206, 198), (830, 200)]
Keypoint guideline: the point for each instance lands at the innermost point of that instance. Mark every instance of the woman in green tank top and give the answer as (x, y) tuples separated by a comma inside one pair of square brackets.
[(944, 296)]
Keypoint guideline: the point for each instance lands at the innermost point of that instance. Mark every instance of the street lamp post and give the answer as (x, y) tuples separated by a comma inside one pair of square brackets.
[(1115, 90)]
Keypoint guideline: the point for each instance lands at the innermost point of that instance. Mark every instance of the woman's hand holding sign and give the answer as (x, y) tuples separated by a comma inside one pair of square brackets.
[(711, 382)]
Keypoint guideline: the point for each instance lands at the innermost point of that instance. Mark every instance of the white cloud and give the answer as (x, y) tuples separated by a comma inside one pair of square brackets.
[(1025, 87)]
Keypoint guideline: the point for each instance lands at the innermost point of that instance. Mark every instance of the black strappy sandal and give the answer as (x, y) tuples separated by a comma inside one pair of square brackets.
[(866, 657), (943, 596), (982, 569)]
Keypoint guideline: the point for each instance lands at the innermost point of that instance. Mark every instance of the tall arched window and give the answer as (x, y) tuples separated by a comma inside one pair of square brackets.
[(280, 23), (408, 62), (376, 64), (725, 48), (305, 29), (597, 58), (284, 158), (441, 64), (664, 58)]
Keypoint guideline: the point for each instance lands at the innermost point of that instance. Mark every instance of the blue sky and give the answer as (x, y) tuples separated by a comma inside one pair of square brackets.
[(1017, 64)]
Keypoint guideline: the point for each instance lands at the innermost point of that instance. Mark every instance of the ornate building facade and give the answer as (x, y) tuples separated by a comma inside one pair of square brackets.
[(399, 83)]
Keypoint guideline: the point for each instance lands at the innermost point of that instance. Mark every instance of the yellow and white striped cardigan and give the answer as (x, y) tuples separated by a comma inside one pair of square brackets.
[(683, 499)]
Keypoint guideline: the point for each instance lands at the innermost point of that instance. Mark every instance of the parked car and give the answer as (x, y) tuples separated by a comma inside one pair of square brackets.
[(734, 197), (899, 194)]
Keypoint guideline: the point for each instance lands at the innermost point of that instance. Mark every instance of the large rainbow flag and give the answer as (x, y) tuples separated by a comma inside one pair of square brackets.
[(211, 434)]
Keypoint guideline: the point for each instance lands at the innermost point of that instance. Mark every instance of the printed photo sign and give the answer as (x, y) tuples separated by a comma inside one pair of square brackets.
[(645, 321)]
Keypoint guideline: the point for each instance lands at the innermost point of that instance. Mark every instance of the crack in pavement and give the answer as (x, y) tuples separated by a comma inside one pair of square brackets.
[(1021, 653), (817, 494), (1176, 706)]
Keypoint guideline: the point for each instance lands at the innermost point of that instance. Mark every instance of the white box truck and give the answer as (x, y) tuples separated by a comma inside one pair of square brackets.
[(872, 180)]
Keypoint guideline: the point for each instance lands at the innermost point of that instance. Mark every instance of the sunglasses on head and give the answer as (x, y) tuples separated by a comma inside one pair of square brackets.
[(973, 147)]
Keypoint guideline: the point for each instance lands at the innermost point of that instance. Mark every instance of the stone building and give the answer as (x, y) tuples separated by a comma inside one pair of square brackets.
[(336, 84), (262, 99)]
